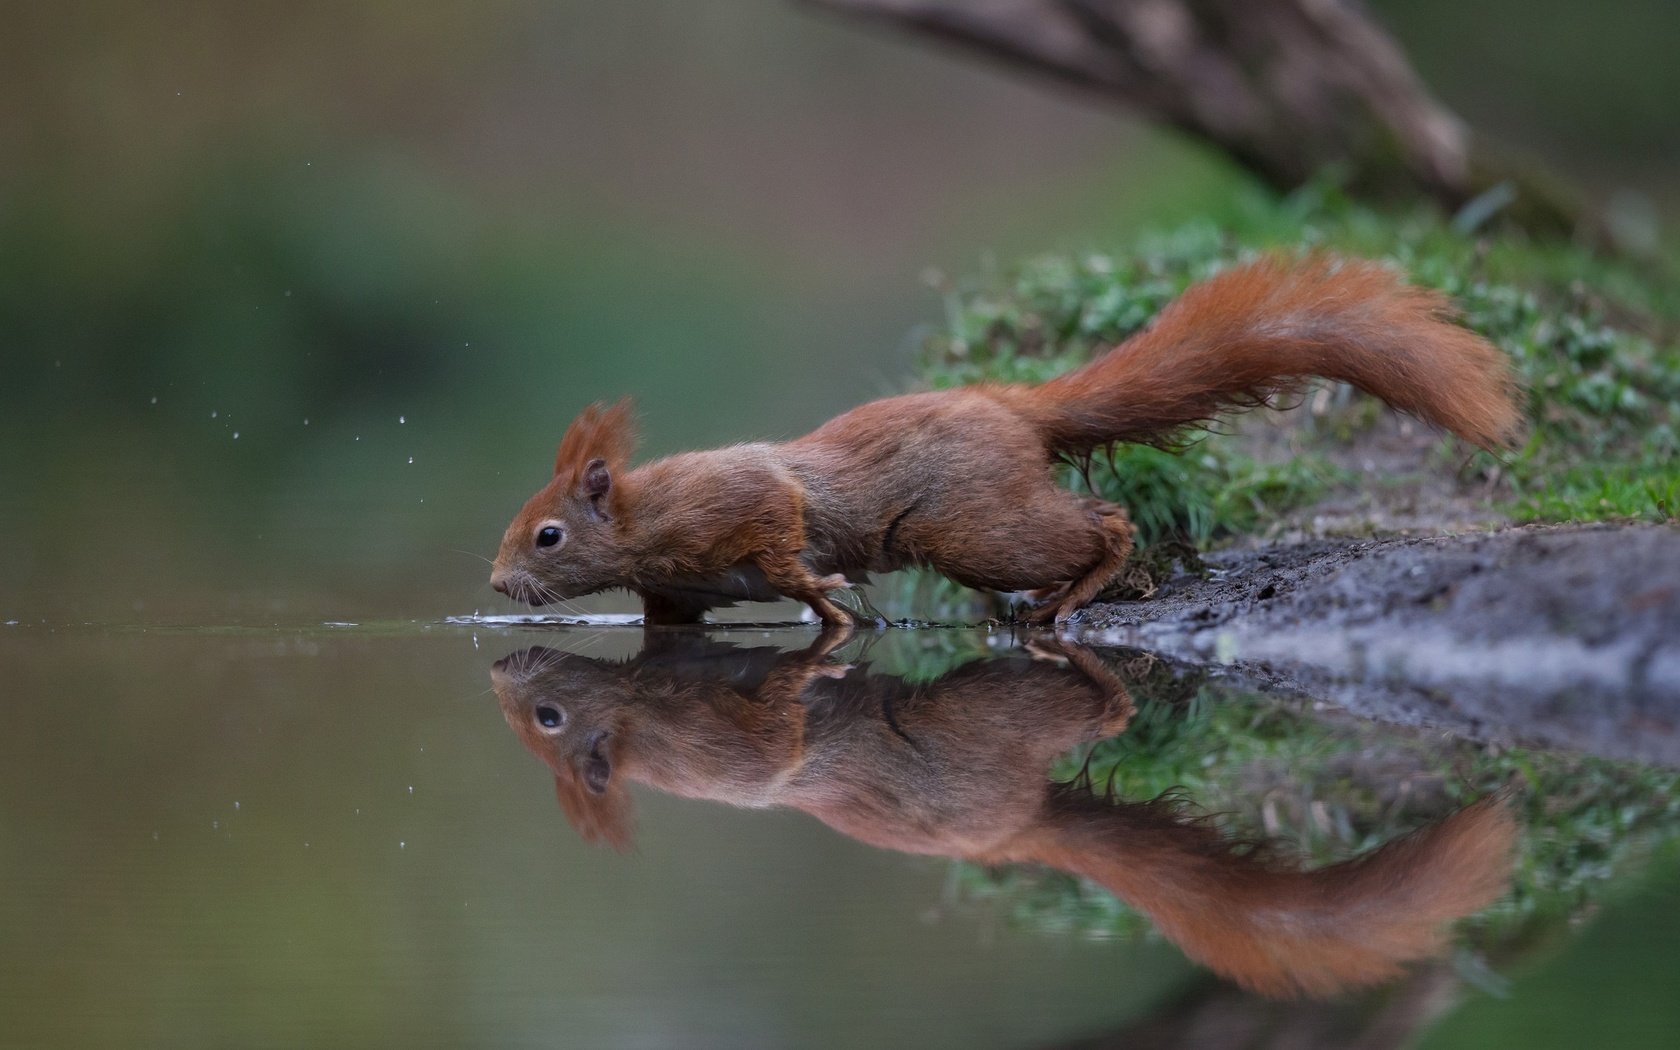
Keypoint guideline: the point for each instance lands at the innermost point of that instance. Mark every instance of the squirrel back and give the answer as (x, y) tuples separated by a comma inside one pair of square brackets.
[(960, 480), (1261, 329)]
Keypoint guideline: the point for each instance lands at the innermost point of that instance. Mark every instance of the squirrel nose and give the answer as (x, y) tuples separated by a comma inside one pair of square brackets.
[(499, 583)]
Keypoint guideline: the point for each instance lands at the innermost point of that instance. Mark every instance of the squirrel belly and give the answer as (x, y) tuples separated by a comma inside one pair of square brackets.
[(962, 481)]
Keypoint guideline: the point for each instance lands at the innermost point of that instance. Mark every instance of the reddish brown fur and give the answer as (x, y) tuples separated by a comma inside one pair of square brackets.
[(1260, 329), (1274, 930), (600, 432), (961, 481), (957, 767)]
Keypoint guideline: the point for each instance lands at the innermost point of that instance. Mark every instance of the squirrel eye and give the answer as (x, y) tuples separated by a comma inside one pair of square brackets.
[(549, 716), (548, 536)]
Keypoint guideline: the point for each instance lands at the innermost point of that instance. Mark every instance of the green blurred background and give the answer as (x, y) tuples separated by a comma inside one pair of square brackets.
[(256, 256), (295, 301)]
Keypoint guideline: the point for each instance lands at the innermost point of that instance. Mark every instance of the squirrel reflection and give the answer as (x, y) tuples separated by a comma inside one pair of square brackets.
[(957, 767)]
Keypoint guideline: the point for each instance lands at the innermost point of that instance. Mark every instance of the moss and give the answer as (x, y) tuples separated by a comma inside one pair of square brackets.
[(1595, 343), (1325, 788), (1593, 340)]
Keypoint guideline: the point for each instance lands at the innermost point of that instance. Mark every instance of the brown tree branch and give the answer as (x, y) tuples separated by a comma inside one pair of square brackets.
[(1286, 87), (1213, 1015)]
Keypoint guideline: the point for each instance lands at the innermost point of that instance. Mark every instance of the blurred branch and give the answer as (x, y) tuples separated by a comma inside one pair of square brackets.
[(1212, 1015), (1286, 87)]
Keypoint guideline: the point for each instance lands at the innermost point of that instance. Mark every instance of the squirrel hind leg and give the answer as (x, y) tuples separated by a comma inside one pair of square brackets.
[(1116, 532), (1049, 595), (1042, 538)]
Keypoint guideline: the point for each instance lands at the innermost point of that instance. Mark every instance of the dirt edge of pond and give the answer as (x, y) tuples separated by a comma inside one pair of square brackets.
[(1560, 635)]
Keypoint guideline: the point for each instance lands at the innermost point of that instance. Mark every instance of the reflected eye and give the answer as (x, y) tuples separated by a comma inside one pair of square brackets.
[(549, 716), (548, 536)]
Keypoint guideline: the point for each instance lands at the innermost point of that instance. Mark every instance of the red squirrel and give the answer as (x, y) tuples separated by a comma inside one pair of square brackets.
[(962, 481), (958, 767)]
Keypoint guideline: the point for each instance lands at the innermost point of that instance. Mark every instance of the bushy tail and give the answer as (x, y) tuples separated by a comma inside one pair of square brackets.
[(1275, 930), (1261, 329)]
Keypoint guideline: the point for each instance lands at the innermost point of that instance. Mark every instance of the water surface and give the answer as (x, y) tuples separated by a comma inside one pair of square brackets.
[(328, 836), (339, 835)]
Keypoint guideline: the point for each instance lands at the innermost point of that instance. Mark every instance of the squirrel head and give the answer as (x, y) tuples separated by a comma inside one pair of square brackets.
[(568, 538), (573, 713), (695, 720)]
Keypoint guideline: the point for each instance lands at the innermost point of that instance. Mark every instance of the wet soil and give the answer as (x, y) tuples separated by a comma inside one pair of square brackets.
[(1565, 636)]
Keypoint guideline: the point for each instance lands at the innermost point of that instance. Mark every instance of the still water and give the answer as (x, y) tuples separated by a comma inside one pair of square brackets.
[(403, 834)]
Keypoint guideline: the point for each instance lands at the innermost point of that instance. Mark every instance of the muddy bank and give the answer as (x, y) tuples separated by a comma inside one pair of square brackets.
[(1544, 635)]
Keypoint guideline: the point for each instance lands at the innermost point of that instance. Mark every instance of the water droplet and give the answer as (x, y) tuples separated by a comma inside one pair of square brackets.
[(411, 461), (402, 419), (411, 789), (305, 420), (358, 437), (236, 435), (154, 399), (402, 845), (236, 805), (214, 824), (214, 413)]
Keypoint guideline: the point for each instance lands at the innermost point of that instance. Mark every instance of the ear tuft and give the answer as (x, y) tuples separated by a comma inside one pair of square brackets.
[(602, 817), (603, 434)]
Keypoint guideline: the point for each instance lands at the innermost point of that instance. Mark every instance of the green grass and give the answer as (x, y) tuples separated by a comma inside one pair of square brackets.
[(1593, 340), (1596, 343)]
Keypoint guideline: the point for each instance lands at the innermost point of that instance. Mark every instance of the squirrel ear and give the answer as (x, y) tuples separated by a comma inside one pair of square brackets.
[(596, 480), (597, 774)]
